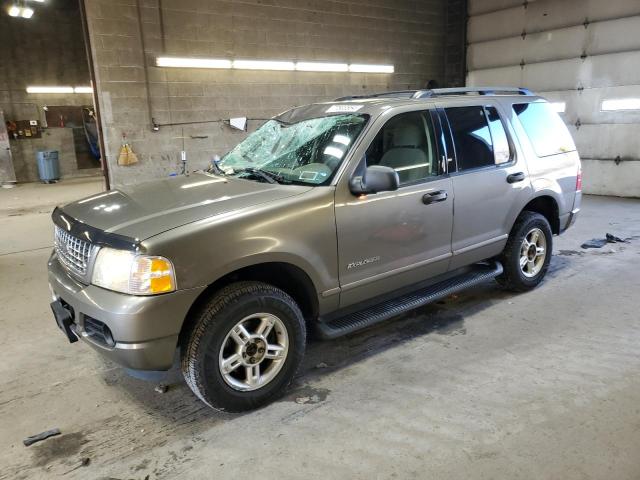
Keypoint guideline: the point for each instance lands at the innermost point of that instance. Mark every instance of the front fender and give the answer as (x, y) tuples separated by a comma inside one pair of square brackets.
[(300, 232)]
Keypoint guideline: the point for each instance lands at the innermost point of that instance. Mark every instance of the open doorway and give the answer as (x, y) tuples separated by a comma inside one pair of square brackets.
[(47, 95)]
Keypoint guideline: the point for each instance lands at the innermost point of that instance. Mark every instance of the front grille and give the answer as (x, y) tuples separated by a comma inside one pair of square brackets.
[(72, 252)]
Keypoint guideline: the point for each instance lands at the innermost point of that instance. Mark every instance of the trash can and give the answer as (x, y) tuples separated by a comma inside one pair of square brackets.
[(48, 166)]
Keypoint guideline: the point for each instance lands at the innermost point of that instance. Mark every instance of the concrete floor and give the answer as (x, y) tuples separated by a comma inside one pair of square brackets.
[(486, 385)]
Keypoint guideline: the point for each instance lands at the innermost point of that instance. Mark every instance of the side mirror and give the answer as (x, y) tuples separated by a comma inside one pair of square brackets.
[(375, 179)]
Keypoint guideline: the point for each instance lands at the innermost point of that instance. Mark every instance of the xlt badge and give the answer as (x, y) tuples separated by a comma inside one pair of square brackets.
[(362, 262)]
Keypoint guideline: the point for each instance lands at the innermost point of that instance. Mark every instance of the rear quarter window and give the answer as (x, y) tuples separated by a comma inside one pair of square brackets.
[(545, 129)]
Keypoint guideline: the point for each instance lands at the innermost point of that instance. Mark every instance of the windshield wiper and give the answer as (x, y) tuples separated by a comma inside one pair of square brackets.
[(215, 168), (270, 177)]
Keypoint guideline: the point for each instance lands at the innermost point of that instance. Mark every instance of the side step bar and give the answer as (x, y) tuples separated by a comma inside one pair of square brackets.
[(378, 313)]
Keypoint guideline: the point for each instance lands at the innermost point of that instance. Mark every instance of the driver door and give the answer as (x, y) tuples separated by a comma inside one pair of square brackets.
[(390, 240)]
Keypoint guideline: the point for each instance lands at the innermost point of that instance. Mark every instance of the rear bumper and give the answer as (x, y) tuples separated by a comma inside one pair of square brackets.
[(136, 332), (569, 219)]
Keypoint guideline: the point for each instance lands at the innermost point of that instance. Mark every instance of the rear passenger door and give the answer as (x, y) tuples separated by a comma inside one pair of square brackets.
[(489, 181)]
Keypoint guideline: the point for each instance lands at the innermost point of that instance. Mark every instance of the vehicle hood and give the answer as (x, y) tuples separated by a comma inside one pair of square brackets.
[(153, 207)]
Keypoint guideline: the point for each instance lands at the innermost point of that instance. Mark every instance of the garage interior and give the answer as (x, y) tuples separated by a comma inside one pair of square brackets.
[(485, 384)]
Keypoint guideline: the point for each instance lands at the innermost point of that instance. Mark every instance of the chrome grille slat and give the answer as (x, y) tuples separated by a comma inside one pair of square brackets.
[(73, 252)]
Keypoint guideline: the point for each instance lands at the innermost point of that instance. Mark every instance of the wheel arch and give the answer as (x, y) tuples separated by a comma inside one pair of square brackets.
[(286, 276), (547, 206)]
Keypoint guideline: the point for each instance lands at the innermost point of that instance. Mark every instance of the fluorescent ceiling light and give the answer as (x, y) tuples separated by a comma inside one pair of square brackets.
[(14, 11), (185, 62), (49, 89), (621, 104), (262, 65), (363, 68), (83, 90), (558, 107), (193, 62), (26, 12), (321, 67)]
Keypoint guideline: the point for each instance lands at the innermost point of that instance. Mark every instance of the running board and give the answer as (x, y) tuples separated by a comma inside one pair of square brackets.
[(383, 311)]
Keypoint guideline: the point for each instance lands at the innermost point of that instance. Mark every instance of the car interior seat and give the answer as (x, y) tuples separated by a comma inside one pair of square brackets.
[(407, 153)]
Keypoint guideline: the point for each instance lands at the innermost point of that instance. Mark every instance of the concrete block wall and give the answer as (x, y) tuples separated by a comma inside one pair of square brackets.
[(407, 33), (45, 50)]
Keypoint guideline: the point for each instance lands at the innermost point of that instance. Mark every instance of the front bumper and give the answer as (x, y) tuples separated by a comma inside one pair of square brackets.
[(141, 332)]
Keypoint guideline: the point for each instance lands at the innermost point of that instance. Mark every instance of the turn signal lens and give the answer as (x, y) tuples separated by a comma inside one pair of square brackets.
[(153, 275), (126, 272)]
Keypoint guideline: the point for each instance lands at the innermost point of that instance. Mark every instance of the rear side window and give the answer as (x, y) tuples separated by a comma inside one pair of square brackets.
[(471, 137), (545, 129)]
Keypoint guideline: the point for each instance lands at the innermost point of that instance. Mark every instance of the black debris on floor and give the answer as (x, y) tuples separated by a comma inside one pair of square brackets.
[(601, 242)]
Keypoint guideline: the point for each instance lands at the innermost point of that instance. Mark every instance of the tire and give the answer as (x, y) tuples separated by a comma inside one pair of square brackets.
[(215, 342), (516, 277)]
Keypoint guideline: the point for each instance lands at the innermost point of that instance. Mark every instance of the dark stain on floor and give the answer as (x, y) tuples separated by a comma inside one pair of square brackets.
[(569, 253), (61, 448), (141, 466), (450, 324), (307, 395)]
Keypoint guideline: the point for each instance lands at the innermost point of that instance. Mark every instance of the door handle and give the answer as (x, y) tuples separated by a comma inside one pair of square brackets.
[(515, 177), (433, 197)]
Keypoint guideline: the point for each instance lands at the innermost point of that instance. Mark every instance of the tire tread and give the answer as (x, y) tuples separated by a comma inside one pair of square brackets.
[(220, 300), (511, 278)]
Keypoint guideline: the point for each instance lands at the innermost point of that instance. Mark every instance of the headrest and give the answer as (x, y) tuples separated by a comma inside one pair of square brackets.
[(408, 134)]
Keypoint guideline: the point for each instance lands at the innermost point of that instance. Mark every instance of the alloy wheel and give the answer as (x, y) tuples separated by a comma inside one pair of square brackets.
[(253, 352), (533, 252)]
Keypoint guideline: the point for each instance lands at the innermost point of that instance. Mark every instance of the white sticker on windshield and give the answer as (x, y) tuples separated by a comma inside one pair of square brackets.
[(344, 108), (308, 175)]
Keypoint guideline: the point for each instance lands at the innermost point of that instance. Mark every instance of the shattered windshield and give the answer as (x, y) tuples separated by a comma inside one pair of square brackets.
[(306, 152)]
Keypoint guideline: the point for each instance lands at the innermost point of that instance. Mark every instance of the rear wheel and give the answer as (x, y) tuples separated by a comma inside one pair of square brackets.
[(527, 254), (245, 347)]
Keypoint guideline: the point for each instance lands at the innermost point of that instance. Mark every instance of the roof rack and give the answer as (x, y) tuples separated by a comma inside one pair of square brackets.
[(437, 92), (392, 94)]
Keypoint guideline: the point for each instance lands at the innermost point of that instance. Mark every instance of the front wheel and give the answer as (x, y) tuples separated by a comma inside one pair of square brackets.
[(245, 347), (526, 256)]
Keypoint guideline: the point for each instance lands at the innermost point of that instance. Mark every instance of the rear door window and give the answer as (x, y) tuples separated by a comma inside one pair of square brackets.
[(471, 137), (545, 129)]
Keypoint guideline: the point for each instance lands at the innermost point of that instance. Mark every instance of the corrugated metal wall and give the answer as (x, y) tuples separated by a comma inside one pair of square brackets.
[(580, 52)]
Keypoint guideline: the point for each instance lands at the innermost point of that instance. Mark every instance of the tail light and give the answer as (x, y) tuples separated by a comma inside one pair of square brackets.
[(579, 180)]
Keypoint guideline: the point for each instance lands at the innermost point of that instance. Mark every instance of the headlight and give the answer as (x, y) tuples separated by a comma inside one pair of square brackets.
[(131, 273)]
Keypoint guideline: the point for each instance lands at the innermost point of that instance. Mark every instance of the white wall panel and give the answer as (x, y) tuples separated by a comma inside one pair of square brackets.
[(500, 24), (606, 34), (477, 7), (593, 72), (545, 15), (606, 178), (611, 36), (608, 141), (586, 105)]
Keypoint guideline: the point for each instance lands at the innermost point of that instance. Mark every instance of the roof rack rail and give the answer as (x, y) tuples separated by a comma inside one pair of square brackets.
[(392, 94), (437, 92)]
